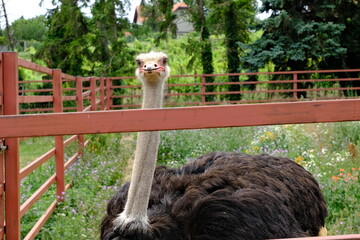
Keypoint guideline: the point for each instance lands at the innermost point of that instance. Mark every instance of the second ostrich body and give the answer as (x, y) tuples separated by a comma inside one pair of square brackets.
[(218, 196)]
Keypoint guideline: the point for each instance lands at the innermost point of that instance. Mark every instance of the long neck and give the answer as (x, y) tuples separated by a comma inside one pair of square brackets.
[(144, 163), (152, 95)]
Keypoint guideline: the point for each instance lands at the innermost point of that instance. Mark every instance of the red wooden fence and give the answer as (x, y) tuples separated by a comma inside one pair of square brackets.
[(191, 90), (9, 105), (98, 93)]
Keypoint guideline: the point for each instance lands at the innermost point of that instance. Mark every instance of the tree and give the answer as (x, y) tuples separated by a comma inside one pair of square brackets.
[(66, 46), (233, 18), (346, 13), (9, 36), (197, 11), (108, 26), (167, 25), (110, 55), (159, 18), (29, 29), (299, 35)]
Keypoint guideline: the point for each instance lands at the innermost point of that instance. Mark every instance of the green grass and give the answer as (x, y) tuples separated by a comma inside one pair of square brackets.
[(329, 151), (34, 147)]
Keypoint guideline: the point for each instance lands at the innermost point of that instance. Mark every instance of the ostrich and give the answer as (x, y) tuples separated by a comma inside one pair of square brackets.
[(218, 196)]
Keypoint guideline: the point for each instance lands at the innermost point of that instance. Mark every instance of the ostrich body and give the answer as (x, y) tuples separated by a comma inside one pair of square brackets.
[(217, 196)]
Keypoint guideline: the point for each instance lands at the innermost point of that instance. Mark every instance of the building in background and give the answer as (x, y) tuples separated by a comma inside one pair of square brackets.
[(183, 25)]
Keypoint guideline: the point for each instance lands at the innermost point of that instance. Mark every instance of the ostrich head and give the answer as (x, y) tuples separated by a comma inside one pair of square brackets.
[(152, 67), (152, 71)]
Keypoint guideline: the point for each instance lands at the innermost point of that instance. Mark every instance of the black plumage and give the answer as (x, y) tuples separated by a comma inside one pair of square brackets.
[(228, 196)]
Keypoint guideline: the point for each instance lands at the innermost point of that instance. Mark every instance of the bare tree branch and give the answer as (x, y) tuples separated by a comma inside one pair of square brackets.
[(8, 30)]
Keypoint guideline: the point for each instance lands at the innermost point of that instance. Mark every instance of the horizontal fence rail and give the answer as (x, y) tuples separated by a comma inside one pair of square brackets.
[(179, 118), (260, 87), (343, 237), (197, 90), (57, 104)]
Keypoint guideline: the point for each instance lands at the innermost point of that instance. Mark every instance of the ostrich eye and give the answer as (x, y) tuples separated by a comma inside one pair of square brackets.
[(165, 60), (138, 62)]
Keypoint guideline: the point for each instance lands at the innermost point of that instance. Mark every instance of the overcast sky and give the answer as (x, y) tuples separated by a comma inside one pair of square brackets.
[(30, 8)]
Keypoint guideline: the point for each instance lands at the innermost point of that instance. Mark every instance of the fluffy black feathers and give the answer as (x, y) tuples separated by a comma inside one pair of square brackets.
[(228, 196)]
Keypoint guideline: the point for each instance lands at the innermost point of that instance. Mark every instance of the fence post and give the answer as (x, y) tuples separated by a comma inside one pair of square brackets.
[(108, 93), (93, 93), (203, 90), (2, 189), (12, 163), (59, 140), (295, 86), (2, 161), (102, 93), (80, 108), (1, 85), (79, 94)]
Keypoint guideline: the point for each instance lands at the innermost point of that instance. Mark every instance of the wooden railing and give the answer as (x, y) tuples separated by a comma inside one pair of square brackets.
[(83, 98), (203, 89), (194, 90), (96, 93)]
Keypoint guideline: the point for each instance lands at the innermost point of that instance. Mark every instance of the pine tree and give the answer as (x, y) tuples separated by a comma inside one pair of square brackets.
[(107, 27), (299, 35), (198, 17), (65, 46), (233, 18)]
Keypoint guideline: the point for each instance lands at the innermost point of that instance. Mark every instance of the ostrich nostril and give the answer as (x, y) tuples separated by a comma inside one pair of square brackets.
[(144, 66)]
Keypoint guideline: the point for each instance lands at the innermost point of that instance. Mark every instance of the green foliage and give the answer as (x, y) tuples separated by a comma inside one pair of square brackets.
[(29, 29), (87, 46), (303, 35), (343, 196), (306, 35), (232, 18), (159, 18), (202, 44), (109, 48), (294, 41), (65, 46), (298, 36)]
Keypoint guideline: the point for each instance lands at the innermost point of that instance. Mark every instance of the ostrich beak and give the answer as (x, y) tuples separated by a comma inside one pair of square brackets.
[(150, 67)]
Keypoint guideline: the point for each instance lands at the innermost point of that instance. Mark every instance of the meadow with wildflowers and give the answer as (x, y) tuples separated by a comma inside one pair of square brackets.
[(330, 151)]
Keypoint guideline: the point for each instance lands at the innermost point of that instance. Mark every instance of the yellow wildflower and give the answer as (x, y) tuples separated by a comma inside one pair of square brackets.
[(299, 160), (270, 135)]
